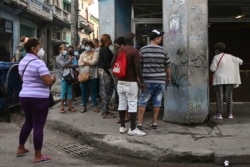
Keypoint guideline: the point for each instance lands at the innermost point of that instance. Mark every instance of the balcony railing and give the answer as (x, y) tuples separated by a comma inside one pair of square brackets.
[(61, 14), (23, 3), (88, 27), (40, 9)]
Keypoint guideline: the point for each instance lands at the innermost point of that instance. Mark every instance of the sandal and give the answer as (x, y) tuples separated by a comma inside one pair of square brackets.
[(72, 109), (44, 158), (84, 110), (21, 153), (62, 111), (96, 110), (109, 115)]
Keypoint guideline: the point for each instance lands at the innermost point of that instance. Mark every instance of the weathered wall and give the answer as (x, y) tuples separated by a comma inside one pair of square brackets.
[(107, 17), (186, 39), (115, 17), (122, 17)]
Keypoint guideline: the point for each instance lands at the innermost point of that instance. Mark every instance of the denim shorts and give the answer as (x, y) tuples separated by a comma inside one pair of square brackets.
[(153, 91)]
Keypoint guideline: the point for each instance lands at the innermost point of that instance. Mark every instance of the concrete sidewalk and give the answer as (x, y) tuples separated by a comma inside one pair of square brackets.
[(214, 141)]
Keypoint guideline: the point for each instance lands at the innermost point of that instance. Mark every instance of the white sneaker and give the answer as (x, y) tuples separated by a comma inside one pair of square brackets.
[(136, 132), (123, 129), (217, 116), (230, 116)]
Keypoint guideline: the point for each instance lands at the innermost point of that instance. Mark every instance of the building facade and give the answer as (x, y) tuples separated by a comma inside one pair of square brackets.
[(48, 20), (87, 23), (191, 30)]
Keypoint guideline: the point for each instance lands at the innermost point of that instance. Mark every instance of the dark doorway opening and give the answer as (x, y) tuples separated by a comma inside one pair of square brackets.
[(237, 39)]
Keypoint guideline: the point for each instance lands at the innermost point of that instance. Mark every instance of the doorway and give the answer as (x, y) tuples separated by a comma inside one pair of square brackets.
[(146, 16), (142, 30), (229, 22)]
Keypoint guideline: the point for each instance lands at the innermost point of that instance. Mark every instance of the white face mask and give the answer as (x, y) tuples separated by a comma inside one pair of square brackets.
[(76, 53), (87, 48), (41, 53), (64, 53)]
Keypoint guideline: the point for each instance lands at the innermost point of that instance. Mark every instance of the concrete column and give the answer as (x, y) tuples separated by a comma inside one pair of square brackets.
[(186, 39), (107, 15)]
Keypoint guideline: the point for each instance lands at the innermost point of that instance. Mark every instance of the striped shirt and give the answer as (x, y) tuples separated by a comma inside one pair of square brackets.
[(33, 86), (154, 60)]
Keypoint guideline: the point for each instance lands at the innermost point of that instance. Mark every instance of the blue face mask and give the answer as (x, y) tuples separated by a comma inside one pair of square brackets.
[(87, 48), (64, 53)]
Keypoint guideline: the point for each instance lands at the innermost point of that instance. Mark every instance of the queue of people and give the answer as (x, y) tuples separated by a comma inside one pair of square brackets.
[(147, 75)]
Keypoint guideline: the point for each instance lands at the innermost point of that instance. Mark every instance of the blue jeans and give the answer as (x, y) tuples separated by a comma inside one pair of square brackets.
[(66, 90), (89, 87)]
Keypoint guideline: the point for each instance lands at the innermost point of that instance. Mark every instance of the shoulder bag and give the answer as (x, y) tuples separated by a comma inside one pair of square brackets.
[(211, 79), (85, 76)]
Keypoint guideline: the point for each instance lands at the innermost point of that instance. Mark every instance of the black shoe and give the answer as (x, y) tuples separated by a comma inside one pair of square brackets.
[(139, 127), (154, 126)]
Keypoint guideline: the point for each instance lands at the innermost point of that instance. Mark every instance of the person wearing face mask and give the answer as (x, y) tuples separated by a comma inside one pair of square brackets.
[(34, 97), (81, 48), (64, 60), (41, 53), (88, 63), (75, 85), (105, 77)]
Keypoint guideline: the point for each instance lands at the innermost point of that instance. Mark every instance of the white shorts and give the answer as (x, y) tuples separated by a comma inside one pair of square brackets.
[(128, 95)]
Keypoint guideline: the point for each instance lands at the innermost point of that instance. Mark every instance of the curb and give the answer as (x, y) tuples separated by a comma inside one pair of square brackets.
[(116, 144)]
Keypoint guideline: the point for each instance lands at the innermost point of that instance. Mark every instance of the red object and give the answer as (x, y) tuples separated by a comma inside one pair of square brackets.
[(120, 65)]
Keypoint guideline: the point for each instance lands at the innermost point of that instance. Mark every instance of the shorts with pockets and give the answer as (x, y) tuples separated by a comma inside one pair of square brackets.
[(153, 91)]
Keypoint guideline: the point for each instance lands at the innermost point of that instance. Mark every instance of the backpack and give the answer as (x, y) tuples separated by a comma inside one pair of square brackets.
[(120, 65)]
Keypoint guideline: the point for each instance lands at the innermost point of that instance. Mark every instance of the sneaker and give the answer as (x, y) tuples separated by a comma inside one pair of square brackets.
[(139, 126), (217, 116), (230, 116), (154, 126), (136, 132), (123, 129)]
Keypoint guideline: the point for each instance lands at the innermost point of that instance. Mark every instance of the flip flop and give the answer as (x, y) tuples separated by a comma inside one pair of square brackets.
[(72, 109), (22, 153), (44, 158), (62, 111), (84, 110), (109, 115), (96, 110)]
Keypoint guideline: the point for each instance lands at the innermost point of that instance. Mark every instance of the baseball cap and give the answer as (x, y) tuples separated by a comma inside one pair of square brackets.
[(155, 33), (129, 35)]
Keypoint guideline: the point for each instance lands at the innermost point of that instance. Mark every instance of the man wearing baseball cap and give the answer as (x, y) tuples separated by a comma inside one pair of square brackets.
[(156, 74)]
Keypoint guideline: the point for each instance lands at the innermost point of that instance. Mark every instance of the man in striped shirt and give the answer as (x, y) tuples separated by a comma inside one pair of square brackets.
[(156, 74)]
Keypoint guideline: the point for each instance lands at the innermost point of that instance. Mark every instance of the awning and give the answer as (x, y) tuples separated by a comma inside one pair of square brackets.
[(67, 1), (58, 42)]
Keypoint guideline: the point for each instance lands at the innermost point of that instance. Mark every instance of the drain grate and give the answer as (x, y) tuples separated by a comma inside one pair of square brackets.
[(71, 148)]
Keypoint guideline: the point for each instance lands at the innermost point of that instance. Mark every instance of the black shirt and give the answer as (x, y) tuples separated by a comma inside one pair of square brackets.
[(105, 58)]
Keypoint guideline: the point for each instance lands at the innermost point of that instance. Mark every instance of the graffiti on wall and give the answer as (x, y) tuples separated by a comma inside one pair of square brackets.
[(175, 76), (184, 55), (195, 103), (173, 37), (179, 1)]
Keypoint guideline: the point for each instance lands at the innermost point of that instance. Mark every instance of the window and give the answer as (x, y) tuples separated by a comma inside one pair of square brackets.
[(148, 10), (64, 36), (67, 7), (58, 35)]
